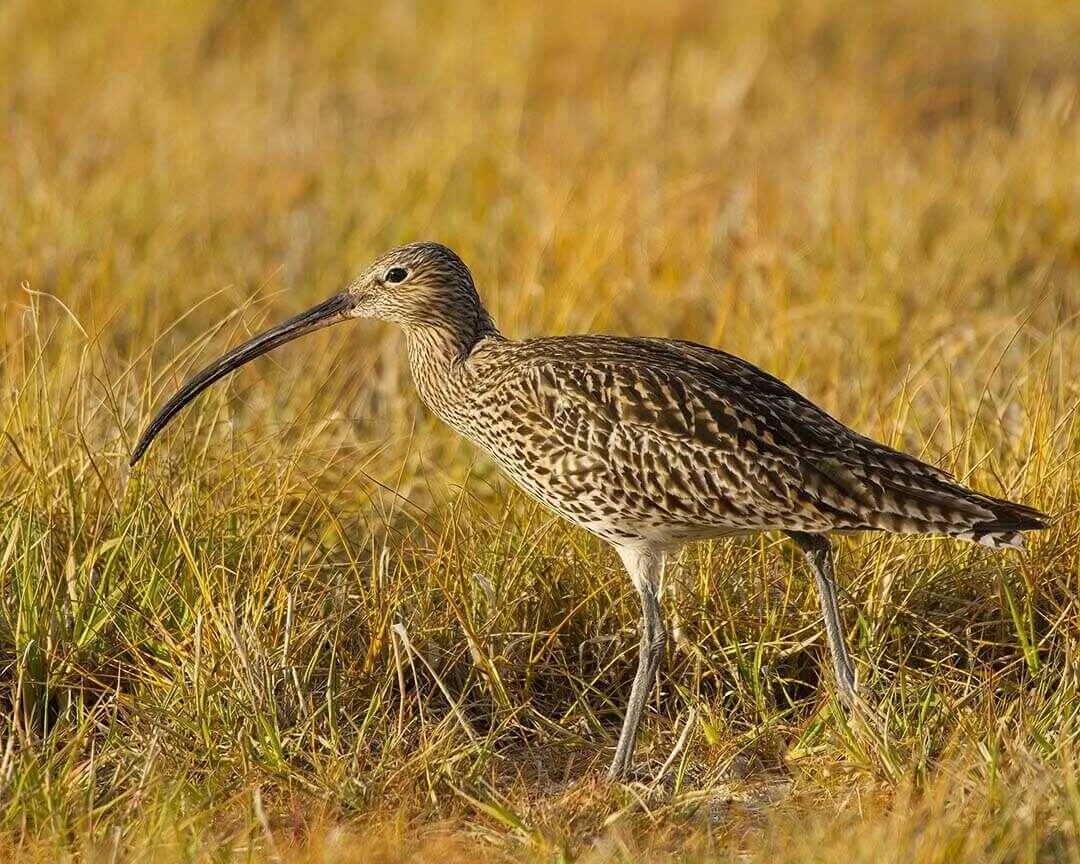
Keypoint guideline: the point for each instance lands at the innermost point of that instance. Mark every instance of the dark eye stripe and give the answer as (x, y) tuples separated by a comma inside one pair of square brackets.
[(395, 275)]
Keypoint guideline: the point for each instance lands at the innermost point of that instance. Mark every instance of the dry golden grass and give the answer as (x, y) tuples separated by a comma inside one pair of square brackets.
[(315, 626)]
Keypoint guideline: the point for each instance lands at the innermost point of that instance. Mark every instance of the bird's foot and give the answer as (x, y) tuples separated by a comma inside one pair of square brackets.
[(631, 775), (847, 687)]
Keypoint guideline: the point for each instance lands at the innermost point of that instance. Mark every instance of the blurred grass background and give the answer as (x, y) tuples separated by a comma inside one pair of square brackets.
[(313, 625)]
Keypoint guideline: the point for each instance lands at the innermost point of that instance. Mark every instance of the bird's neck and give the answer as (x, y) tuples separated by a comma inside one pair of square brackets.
[(438, 356)]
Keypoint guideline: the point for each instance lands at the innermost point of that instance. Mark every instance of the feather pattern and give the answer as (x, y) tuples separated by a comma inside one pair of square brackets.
[(668, 441)]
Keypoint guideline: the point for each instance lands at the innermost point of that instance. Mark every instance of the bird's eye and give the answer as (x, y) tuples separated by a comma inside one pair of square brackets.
[(395, 275)]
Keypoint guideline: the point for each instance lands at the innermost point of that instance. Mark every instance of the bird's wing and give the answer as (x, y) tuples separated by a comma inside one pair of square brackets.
[(717, 429), (693, 443)]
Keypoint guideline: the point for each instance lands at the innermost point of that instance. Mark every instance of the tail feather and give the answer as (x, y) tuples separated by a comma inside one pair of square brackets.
[(1005, 529), (910, 496), (956, 511)]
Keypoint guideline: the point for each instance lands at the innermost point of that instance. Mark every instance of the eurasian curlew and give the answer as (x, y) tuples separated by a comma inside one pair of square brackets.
[(647, 443)]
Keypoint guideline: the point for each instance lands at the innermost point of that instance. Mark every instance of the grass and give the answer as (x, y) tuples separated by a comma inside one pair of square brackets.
[(314, 626)]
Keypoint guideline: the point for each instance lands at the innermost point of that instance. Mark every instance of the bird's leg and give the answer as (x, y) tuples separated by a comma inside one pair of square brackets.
[(818, 551), (645, 567)]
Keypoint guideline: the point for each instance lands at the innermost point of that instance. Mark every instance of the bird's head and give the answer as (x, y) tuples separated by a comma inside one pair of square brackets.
[(416, 286), (423, 287)]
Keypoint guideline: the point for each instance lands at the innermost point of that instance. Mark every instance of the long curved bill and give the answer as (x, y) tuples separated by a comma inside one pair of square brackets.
[(326, 313)]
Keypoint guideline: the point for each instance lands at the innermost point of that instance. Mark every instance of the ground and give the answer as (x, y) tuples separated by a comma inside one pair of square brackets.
[(312, 625)]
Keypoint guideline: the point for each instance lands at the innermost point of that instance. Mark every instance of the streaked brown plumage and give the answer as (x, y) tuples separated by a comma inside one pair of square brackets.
[(647, 443)]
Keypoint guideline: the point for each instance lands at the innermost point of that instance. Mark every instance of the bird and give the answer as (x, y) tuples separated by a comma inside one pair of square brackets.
[(647, 443)]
